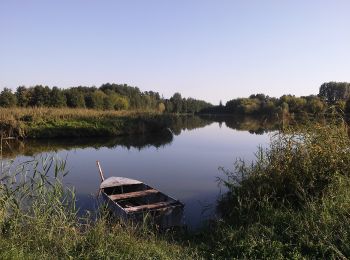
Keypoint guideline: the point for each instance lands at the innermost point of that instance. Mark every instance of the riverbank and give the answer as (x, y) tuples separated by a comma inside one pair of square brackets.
[(65, 122)]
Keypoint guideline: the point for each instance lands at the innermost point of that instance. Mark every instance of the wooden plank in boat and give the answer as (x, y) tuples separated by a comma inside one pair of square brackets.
[(134, 194), (149, 206), (118, 181)]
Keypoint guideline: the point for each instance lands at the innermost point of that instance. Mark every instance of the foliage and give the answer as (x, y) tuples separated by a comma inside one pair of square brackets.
[(7, 98), (292, 202), (107, 97), (335, 91), (68, 122), (333, 96)]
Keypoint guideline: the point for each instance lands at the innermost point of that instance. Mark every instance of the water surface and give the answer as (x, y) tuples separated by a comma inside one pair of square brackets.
[(183, 164)]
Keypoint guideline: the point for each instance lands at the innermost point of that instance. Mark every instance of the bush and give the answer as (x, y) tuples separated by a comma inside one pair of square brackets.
[(292, 202)]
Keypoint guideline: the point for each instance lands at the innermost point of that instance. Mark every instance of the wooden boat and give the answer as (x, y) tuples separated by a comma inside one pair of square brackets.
[(131, 199)]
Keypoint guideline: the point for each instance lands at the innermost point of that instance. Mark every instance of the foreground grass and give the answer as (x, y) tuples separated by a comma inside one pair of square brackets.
[(38, 220), (100, 240), (293, 202), (66, 122)]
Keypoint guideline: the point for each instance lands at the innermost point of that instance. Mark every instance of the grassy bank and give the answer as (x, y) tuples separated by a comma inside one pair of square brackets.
[(65, 122), (293, 202)]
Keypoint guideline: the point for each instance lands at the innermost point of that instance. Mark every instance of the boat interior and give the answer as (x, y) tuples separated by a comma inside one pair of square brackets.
[(135, 198)]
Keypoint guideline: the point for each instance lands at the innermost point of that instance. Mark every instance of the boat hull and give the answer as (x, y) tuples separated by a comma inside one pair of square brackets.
[(170, 215)]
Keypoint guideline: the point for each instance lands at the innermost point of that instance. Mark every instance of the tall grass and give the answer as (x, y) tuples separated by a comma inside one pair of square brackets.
[(38, 219), (68, 122), (292, 202)]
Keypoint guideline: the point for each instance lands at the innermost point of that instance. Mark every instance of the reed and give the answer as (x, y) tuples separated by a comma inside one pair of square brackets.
[(67, 122), (38, 219), (293, 201)]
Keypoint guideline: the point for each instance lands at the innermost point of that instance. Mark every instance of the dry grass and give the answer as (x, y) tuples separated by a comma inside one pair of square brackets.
[(68, 122), (8, 114)]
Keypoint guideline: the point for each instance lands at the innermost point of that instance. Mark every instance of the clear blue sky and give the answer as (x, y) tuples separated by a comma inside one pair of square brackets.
[(205, 49)]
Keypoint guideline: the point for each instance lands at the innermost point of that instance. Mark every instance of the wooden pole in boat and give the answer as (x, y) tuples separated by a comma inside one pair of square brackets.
[(100, 171)]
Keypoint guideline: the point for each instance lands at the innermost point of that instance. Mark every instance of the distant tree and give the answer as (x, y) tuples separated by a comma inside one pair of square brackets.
[(40, 96), (335, 91), (98, 99), (176, 100), (23, 96), (75, 98), (7, 98), (315, 105), (121, 103), (57, 98), (113, 101), (169, 107)]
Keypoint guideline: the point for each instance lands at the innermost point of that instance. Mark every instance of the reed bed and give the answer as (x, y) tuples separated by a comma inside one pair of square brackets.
[(44, 113), (44, 122), (39, 220), (292, 202)]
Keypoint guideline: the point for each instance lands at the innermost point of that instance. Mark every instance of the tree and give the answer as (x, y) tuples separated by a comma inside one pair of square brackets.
[(23, 96), (315, 105), (335, 91), (176, 99), (97, 100), (75, 98), (40, 96), (113, 101), (57, 98), (7, 98)]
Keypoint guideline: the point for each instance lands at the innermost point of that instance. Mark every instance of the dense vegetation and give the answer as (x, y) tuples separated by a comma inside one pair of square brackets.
[(68, 122), (293, 202), (106, 97), (332, 97)]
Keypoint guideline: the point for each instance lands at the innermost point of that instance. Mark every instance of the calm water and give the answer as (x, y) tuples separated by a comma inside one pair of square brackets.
[(183, 165)]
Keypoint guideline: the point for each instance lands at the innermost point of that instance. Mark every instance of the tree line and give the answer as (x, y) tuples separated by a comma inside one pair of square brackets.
[(332, 96), (106, 97)]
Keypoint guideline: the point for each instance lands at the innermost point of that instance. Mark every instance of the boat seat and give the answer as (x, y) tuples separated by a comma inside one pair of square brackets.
[(134, 194), (150, 206)]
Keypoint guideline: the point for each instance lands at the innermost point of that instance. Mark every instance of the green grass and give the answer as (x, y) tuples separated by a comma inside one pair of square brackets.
[(293, 202), (38, 219)]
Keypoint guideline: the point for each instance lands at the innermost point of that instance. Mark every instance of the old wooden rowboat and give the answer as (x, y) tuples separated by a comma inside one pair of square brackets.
[(132, 200)]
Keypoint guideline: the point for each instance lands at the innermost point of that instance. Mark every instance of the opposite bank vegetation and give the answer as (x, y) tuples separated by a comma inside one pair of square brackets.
[(292, 202), (65, 122)]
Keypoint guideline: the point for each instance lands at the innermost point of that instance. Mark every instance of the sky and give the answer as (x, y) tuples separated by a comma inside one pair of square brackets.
[(207, 49)]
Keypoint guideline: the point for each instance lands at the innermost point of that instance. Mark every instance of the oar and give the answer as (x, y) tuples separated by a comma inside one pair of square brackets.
[(101, 175), (100, 171)]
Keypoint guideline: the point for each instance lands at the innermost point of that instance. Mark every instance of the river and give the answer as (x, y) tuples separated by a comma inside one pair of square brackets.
[(183, 162)]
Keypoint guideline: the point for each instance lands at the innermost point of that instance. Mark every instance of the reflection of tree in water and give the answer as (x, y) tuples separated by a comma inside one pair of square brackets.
[(34, 146), (255, 125), (176, 125), (180, 123)]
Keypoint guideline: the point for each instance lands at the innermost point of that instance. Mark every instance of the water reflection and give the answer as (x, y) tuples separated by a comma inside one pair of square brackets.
[(12, 148), (182, 162)]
